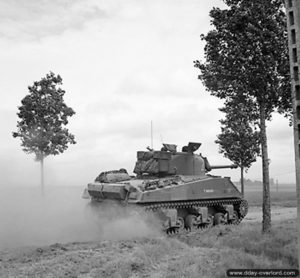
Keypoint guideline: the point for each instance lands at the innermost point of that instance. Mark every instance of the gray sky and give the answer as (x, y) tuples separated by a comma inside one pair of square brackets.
[(123, 64)]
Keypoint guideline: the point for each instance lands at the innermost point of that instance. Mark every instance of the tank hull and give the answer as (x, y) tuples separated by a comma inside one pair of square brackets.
[(181, 202), (186, 188)]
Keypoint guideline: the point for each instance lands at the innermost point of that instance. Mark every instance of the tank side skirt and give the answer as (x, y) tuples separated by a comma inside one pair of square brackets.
[(186, 204)]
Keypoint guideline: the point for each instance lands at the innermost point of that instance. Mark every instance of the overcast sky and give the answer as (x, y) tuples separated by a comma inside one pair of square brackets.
[(123, 64)]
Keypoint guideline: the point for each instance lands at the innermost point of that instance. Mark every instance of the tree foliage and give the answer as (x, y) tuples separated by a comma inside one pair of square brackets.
[(42, 118), (247, 52), (239, 140)]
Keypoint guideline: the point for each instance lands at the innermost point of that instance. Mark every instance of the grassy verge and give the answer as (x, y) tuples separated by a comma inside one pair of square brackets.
[(206, 253), (244, 246)]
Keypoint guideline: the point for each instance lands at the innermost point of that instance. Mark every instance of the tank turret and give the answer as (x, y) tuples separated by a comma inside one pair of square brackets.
[(168, 161)]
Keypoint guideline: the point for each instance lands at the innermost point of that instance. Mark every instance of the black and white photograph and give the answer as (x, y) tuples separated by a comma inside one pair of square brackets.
[(149, 138)]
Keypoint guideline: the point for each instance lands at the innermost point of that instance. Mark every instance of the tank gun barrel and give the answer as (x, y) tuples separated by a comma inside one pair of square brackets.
[(232, 166)]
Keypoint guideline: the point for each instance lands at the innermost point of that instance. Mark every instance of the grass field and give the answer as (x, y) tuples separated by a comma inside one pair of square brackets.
[(281, 198)]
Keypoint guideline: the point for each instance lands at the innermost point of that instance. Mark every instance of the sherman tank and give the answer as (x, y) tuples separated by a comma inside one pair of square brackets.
[(175, 186)]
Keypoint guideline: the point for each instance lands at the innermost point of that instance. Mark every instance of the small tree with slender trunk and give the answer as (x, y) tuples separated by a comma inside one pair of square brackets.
[(239, 140), (43, 116)]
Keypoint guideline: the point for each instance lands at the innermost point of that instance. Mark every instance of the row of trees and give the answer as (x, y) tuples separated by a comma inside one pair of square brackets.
[(246, 65)]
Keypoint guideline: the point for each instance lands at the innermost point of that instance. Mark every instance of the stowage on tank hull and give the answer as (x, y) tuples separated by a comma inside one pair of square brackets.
[(181, 201)]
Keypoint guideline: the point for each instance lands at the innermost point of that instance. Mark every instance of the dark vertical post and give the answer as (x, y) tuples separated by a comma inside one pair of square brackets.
[(293, 27), (242, 182)]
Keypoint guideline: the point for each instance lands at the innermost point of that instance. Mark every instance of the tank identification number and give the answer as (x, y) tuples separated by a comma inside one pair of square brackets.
[(208, 190)]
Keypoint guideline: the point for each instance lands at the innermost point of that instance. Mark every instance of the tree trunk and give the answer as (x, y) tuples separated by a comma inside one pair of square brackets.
[(242, 181), (266, 205), (42, 175)]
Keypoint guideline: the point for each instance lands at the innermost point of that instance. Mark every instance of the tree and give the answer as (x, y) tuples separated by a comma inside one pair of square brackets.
[(43, 116), (247, 54), (239, 139)]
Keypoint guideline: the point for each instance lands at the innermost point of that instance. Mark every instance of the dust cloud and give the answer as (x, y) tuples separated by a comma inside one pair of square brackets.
[(29, 219)]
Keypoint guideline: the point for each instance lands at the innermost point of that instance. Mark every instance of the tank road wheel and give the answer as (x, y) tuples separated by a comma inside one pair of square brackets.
[(190, 220), (208, 224), (180, 223), (219, 219), (235, 218), (243, 208)]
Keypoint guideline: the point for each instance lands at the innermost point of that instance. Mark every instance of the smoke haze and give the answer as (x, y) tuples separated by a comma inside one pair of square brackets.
[(27, 218)]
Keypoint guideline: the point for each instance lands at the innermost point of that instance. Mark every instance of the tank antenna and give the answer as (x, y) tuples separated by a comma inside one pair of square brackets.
[(151, 135)]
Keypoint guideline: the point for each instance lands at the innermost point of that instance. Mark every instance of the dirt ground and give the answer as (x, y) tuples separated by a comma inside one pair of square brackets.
[(151, 256), (277, 214)]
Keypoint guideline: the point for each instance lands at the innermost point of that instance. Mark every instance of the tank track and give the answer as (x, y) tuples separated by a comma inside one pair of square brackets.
[(241, 204), (197, 203)]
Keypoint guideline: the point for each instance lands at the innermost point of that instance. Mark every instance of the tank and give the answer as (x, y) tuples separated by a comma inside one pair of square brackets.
[(176, 186)]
